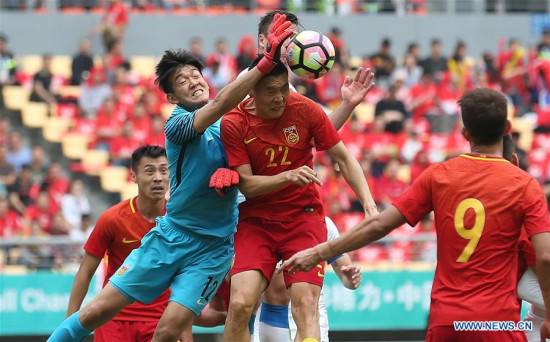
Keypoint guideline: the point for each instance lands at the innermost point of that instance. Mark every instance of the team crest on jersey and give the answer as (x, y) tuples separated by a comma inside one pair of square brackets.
[(122, 270), (291, 134)]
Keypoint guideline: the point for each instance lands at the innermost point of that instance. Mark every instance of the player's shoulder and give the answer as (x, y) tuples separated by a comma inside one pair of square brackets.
[(118, 211), (237, 115)]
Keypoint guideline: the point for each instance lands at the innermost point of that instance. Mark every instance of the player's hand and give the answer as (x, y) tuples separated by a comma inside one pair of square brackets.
[(303, 261), (223, 178), (353, 92), (303, 175), (371, 210), (545, 331), (352, 275), (278, 33)]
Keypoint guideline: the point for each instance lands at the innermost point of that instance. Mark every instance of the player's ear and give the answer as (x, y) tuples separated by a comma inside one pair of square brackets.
[(515, 159), (134, 177), (172, 99), (465, 134), (261, 42), (508, 129)]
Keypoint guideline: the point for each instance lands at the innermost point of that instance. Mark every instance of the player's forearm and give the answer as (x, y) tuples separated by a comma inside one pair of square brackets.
[(543, 273), (78, 292), (253, 186), (353, 174), (227, 99), (362, 234), (341, 114)]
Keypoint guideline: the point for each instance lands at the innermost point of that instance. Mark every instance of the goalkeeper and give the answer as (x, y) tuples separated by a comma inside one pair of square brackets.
[(191, 247)]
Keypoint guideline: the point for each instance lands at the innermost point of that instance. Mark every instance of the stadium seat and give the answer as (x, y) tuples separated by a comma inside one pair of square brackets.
[(404, 173), (61, 66), (15, 97), (31, 64), (166, 110), (70, 91), (35, 114), (525, 128), (355, 62), (113, 178), (54, 128), (95, 160), (365, 112), (129, 190), (143, 65), (74, 145)]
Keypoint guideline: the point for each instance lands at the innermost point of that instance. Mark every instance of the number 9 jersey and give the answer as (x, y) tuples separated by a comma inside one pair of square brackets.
[(480, 204), (278, 145)]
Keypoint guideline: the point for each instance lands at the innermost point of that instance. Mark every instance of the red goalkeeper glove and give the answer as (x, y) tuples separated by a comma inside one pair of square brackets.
[(277, 35), (223, 178)]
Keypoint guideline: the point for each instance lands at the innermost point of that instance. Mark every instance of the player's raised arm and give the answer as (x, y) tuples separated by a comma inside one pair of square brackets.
[(352, 172), (353, 93), (364, 233), (232, 94)]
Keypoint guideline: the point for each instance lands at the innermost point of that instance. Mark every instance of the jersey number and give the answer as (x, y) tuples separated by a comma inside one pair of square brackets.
[(270, 151), (474, 233), (209, 288)]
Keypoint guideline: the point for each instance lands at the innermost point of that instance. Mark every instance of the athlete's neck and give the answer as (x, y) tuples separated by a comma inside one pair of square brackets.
[(250, 107), (488, 150), (150, 209)]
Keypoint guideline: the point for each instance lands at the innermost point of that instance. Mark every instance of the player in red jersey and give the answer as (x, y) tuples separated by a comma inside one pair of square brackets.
[(268, 140), (480, 201), (117, 232)]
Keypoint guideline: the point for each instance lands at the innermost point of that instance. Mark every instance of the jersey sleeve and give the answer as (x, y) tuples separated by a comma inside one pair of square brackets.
[(324, 134), (526, 249), (101, 237), (233, 140), (416, 201), (536, 219), (179, 127)]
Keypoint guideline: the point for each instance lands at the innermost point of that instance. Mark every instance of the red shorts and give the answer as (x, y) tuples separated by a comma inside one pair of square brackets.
[(448, 334), (260, 244), (137, 331)]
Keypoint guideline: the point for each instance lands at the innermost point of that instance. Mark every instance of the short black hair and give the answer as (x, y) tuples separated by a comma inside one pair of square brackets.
[(508, 148), (170, 63), (146, 151), (267, 19), (279, 69), (484, 113)]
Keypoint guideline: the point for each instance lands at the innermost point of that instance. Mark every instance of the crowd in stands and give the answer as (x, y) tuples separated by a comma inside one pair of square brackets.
[(408, 122)]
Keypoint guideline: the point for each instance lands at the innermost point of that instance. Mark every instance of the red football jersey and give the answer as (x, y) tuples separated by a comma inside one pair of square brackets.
[(117, 232), (275, 146), (526, 255), (480, 204)]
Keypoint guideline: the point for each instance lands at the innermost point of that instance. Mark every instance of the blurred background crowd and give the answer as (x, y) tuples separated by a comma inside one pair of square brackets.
[(96, 107)]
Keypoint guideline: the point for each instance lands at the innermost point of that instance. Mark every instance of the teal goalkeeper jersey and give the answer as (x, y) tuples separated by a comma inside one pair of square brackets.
[(193, 158)]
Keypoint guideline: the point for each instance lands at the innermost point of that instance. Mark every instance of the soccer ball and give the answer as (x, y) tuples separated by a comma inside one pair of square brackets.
[(310, 54)]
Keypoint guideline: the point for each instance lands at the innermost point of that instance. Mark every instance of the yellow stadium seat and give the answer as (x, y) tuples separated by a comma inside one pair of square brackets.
[(404, 173), (113, 178), (35, 114), (15, 97), (31, 64), (525, 128), (74, 145), (54, 128), (95, 160), (365, 112), (167, 110), (61, 66), (72, 91), (355, 62), (15, 270), (129, 190), (143, 65)]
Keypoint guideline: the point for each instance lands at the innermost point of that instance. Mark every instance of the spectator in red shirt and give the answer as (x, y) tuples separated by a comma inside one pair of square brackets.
[(141, 122), (328, 87), (388, 187), (123, 146), (58, 184), (40, 213), (123, 90), (228, 63), (156, 136), (423, 95), (420, 163), (340, 48), (108, 124), (114, 22), (9, 220)]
